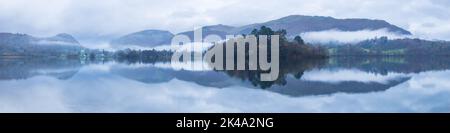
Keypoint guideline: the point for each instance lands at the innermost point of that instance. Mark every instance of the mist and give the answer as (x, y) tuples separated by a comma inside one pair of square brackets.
[(102, 20), (337, 36)]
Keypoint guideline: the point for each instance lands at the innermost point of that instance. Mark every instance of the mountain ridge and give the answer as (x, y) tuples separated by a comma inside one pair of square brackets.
[(296, 24), (293, 24), (150, 37), (26, 45)]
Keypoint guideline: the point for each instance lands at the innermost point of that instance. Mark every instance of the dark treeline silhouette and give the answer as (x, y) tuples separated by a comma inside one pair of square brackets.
[(293, 50), (142, 56), (295, 57)]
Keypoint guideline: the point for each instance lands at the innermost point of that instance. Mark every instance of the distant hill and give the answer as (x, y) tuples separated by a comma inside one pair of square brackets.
[(297, 24), (63, 38), (294, 25), (221, 30), (26, 45), (146, 38)]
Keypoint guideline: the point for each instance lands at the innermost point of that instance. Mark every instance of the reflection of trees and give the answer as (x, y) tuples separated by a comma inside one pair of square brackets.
[(23, 68), (295, 68), (399, 64), (375, 64), (295, 57), (142, 56)]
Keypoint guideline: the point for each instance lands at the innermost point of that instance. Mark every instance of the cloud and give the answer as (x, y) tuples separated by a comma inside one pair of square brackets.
[(348, 36), (51, 42), (105, 19)]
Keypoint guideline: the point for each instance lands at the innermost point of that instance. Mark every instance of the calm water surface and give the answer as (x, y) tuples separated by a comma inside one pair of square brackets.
[(339, 84)]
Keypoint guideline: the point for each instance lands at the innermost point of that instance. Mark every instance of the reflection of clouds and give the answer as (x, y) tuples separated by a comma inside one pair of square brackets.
[(100, 91), (105, 67), (433, 81), (197, 65), (32, 96), (341, 75)]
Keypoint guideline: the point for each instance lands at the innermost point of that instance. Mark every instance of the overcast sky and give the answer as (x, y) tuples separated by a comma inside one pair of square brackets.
[(90, 18)]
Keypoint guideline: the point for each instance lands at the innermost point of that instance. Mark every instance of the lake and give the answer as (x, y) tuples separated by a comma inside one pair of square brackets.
[(337, 84)]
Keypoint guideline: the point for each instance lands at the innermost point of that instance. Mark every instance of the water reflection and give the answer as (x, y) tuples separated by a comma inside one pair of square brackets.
[(23, 68), (341, 84)]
